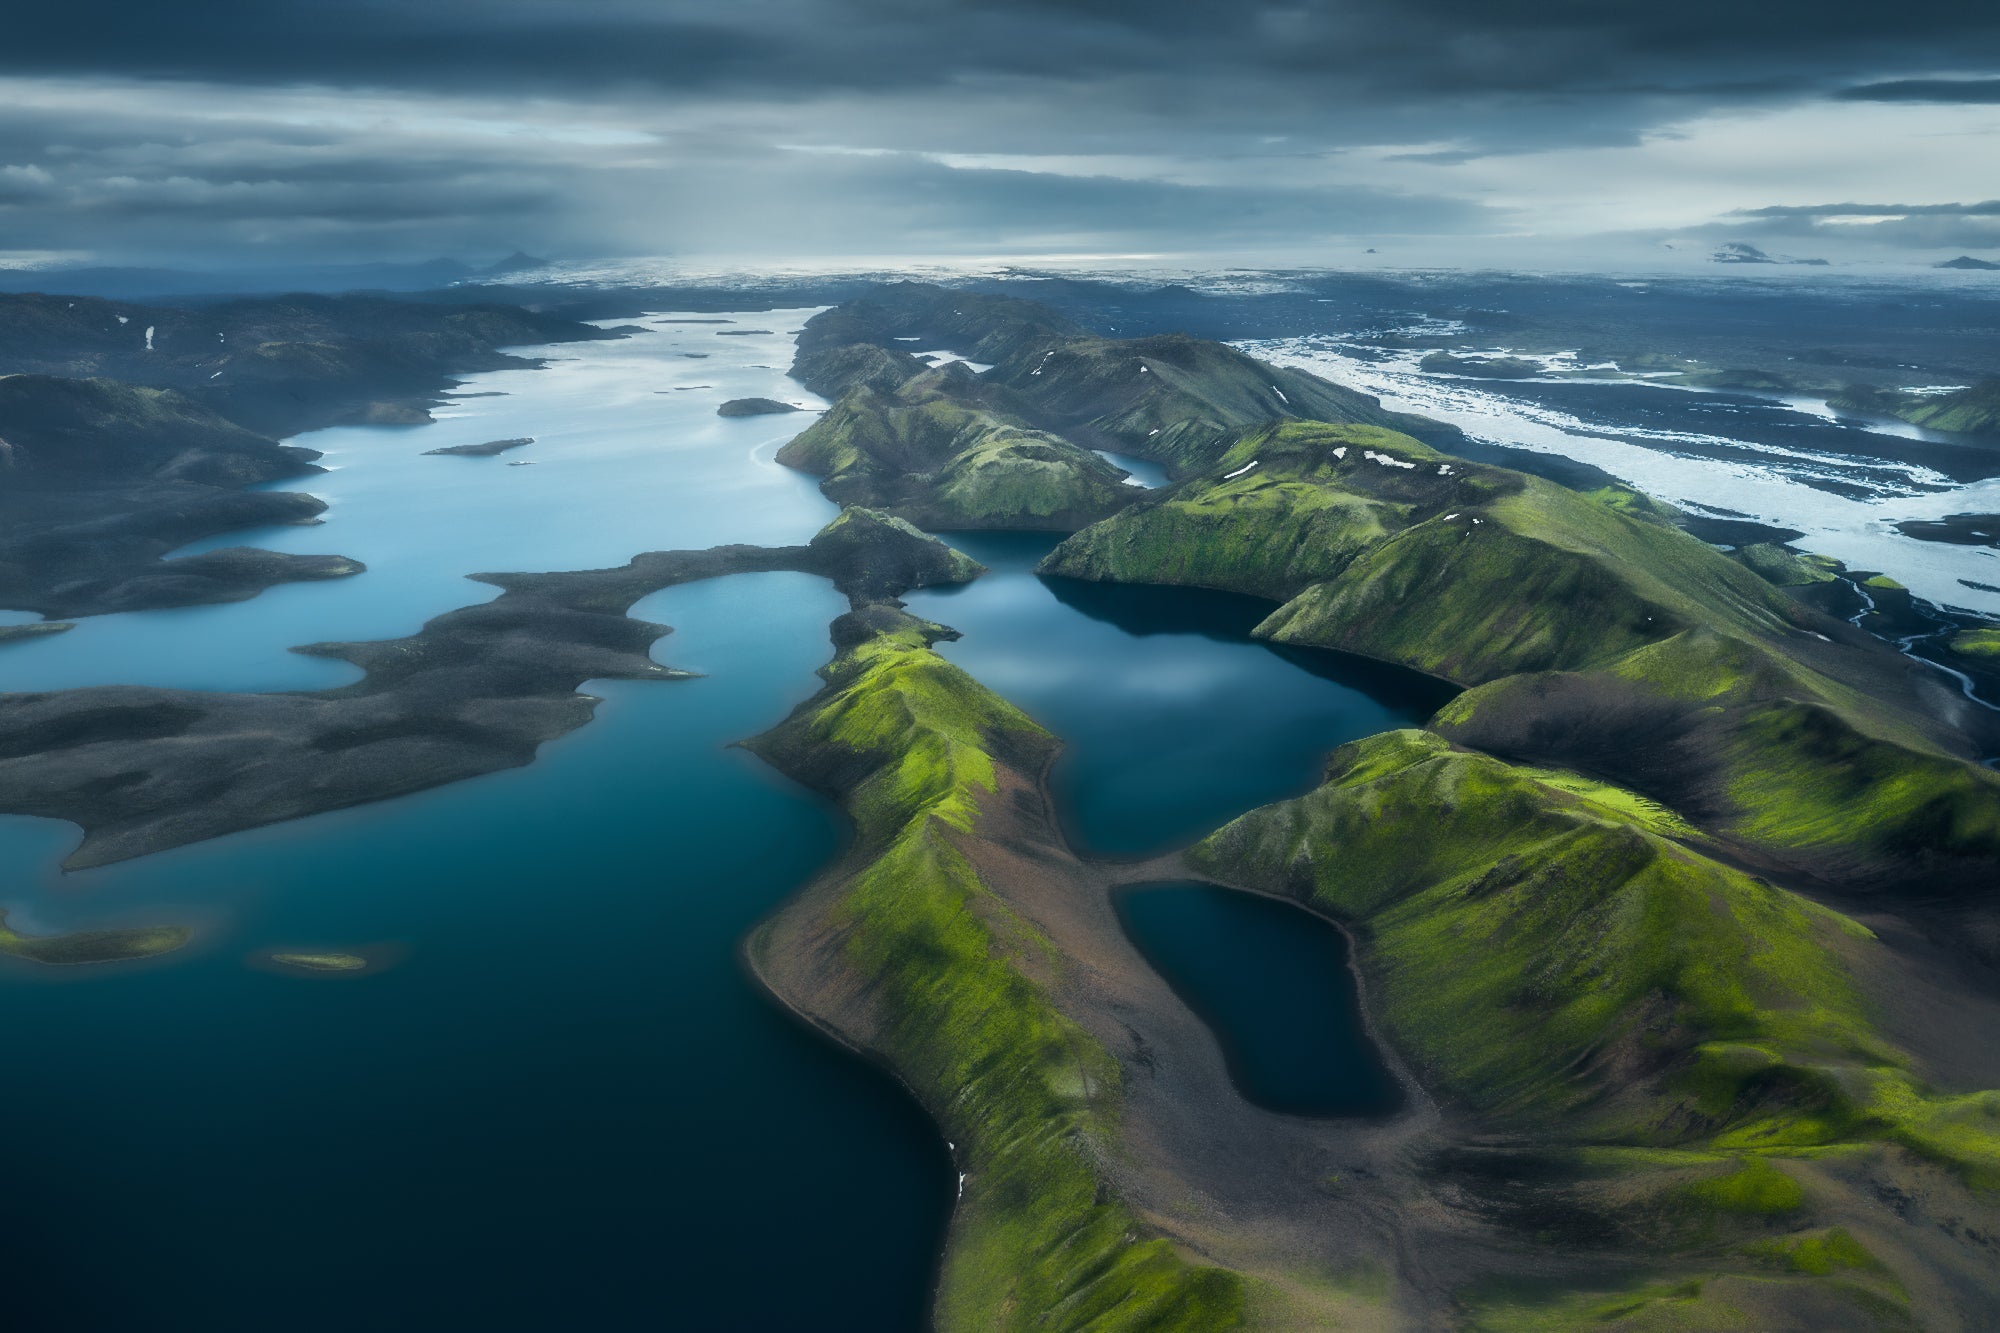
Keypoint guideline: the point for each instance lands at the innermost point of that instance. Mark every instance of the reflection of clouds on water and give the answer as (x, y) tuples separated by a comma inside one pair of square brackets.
[(624, 464), (1767, 482)]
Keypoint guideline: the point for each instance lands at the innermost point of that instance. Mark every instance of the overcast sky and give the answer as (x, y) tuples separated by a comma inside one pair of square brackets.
[(1436, 131)]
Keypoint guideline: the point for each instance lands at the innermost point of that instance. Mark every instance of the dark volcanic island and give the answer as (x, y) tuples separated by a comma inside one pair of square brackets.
[(754, 407), (486, 450)]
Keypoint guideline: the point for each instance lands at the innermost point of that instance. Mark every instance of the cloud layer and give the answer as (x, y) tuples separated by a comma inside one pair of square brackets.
[(1302, 131)]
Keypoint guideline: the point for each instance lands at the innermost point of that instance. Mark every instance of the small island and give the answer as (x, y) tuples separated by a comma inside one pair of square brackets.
[(486, 450), (1481, 367), (320, 962), (754, 407), (34, 629), (1980, 643), (92, 946)]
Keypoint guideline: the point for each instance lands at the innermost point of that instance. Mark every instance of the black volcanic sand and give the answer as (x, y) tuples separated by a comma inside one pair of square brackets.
[(142, 769), (1957, 529)]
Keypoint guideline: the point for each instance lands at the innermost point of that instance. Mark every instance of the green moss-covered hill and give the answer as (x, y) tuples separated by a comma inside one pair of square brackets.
[(1689, 1053), (937, 974), (935, 450), (1377, 544), (1597, 634), (1972, 411), (1979, 644), (1172, 398)]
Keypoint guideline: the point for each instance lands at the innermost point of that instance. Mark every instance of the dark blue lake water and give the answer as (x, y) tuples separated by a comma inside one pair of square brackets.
[(1271, 980), (1174, 719), (564, 1106)]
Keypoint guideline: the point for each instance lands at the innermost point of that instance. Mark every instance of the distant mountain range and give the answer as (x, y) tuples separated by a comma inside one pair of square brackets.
[(135, 283), (1741, 252)]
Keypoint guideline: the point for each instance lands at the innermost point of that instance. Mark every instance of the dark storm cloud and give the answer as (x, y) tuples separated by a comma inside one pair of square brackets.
[(1962, 92), (1820, 212), (345, 126), (1322, 50)]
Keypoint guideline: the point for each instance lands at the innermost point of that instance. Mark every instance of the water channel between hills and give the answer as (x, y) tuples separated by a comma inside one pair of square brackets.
[(561, 1102)]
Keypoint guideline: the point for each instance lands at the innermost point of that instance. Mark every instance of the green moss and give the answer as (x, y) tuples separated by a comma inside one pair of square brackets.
[(1786, 568), (1553, 962), (322, 962), (1755, 1187), (1774, 753), (1038, 1242), (1884, 581), (1718, 1303), (1381, 546), (1819, 1253), (93, 946), (930, 452), (1617, 801), (1980, 643)]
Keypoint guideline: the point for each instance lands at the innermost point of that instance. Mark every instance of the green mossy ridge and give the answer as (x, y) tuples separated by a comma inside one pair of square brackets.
[(1786, 568), (1754, 1187), (1379, 545), (1729, 1304), (1560, 968), (1981, 643), (1182, 400), (1883, 581), (1285, 524), (93, 946), (930, 452), (1173, 398), (1036, 1243), (1818, 1253), (1972, 411), (1770, 753)]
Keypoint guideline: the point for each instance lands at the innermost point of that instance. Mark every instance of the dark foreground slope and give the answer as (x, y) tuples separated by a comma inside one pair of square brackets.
[(127, 431), (98, 480), (277, 365)]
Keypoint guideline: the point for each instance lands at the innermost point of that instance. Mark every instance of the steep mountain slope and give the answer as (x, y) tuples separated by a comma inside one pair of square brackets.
[(277, 365), (1172, 398), (1599, 637), (1682, 1059), (935, 451), (1972, 411), (954, 993)]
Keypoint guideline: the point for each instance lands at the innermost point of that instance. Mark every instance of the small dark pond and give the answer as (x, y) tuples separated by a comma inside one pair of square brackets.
[(1271, 981)]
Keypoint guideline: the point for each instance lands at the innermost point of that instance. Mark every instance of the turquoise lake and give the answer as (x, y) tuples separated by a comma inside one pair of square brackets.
[(562, 1103)]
